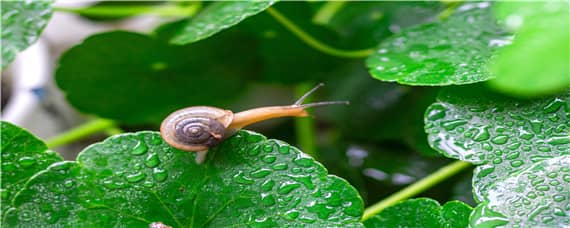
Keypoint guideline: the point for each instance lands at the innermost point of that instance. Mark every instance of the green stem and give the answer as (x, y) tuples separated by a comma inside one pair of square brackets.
[(119, 11), (327, 11), (80, 132), (311, 41), (451, 6), (305, 127), (416, 188)]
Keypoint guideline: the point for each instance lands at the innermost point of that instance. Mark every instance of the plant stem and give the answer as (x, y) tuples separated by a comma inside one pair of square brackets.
[(305, 127), (80, 132), (311, 41), (451, 6), (117, 11), (416, 188), (327, 11)]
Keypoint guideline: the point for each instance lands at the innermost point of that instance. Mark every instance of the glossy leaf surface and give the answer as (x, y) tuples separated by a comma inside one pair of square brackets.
[(217, 17), (422, 212), (502, 135), (135, 78), (542, 34), (22, 24), (452, 51), (536, 197), (135, 179), (23, 155)]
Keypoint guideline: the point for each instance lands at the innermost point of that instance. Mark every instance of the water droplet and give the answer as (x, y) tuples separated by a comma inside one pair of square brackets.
[(513, 155), (242, 179), (482, 135), (269, 158), (253, 138), (284, 149), (304, 162), (267, 185), (135, 177), (268, 200), (497, 161), (159, 174), (152, 160), (305, 180), (436, 112), (485, 171), (280, 166), (531, 195), (542, 187), (268, 147), (140, 148), (514, 145), (26, 161), (536, 126), (68, 183), (554, 105), (291, 215), (517, 163), (559, 198), (254, 151), (500, 139), (260, 173), (452, 124), (559, 140), (148, 184), (287, 187)]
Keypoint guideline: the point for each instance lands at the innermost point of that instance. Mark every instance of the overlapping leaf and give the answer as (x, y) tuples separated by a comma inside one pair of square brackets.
[(23, 155), (422, 212), (135, 78), (136, 179), (452, 51), (22, 23), (217, 17)]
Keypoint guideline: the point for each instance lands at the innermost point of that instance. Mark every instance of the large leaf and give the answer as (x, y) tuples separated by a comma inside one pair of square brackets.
[(135, 179), (217, 17), (536, 197), (22, 23), (23, 155), (451, 51), (502, 135), (541, 43), (135, 78), (422, 212)]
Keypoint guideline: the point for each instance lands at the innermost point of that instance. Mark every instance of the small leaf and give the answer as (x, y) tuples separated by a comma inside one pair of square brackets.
[(217, 17), (500, 134), (135, 179), (536, 197), (452, 51), (22, 23), (23, 155), (422, 212), (537, 62), (138, 79)]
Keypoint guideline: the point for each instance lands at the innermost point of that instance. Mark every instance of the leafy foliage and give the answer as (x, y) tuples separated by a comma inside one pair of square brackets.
[(123, 66), (545, 57), (452, 51), (137, 179), (23, 155), (217, 17), (22, 23), (422, 212)]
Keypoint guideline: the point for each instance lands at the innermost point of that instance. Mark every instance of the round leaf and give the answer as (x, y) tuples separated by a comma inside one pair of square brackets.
[(23, 155), (422, 212), (451, 51), (137, 179), (500, 134), (536, 197), (137, 79), (22, 23), (217, 17)]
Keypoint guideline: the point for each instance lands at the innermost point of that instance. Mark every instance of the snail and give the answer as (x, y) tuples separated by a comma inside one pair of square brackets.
[(199, 128)]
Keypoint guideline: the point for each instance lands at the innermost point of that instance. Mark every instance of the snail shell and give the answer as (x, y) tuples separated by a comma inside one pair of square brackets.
[(196, 128)]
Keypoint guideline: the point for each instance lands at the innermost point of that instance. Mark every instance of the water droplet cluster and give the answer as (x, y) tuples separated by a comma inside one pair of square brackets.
[(501, 136)]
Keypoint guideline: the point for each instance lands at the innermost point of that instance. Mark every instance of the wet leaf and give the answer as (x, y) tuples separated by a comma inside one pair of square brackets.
[(217, 17), (502, 135), (135, 78), (422, 212), (541, 43), (22, 23), (135, 179), (23, 155), (452, 51), (535, 197)]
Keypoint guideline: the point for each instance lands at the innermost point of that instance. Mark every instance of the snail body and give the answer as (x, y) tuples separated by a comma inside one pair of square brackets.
[(199, 128)]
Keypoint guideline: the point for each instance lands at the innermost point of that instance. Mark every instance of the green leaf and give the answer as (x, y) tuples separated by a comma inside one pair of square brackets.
[(22, 23), (217, 17), (451, 51), (535, 197), (537, 61), (135, 179), (422, 212), (23, 155), (134, 78), (502, 135)]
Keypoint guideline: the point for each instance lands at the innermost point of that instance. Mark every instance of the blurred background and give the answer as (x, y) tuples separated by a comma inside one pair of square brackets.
[(377, 142)]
